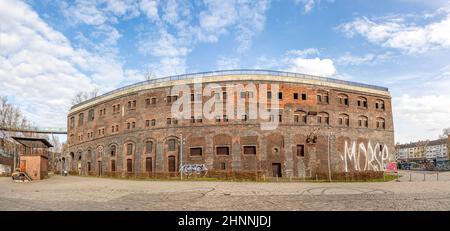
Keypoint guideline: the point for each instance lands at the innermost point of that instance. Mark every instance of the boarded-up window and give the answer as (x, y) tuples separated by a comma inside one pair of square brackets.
[(89, 166), (113, 165), (300, 150), (171, 145), (196, 151), (223, 150), (250, 150), (148, 164), (129, 165), (148, 147), (223, 166)]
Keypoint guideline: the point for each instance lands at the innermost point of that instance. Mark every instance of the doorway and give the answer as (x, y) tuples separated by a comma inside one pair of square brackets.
[(276, 169), (171, 163), (113, 165), (99, 168), (148, 164), (129, 165)]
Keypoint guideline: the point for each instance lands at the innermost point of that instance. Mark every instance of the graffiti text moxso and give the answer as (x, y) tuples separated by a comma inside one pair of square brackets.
[(373, 157)]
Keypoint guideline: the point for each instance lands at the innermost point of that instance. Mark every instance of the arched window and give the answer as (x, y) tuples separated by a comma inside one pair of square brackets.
[(172, 144), (148, 147), (343, 99), (362, 102), (379, 104), (381, 123), (72, 155), (113, 150), (322, 97), (344, 120), (129, 149), (363, 122), (300, 117), (323, 118)]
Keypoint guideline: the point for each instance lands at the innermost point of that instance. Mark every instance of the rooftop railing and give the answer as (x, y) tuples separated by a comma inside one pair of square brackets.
[(232, 72)]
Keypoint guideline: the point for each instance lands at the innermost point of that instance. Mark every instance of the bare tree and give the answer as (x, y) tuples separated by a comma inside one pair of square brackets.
[(84, 95), (445, 133), (149, 75), (11, 117)]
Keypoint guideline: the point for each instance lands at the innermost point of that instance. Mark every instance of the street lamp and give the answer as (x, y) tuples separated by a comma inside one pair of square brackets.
[(181, 155)]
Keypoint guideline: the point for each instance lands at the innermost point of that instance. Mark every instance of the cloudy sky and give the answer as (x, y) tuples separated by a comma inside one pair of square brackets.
[(49, 50)]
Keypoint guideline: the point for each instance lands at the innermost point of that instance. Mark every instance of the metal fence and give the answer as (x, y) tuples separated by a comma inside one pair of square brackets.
[(233, 72)]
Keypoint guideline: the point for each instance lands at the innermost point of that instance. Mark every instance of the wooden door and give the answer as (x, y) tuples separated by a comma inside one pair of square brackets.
[(99, 168), (129, 165), (276, 169), (171, 163), (23, 165), (113, 165), (148, 164)]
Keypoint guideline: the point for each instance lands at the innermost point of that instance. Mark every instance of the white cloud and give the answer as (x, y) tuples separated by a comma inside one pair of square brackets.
[(150, 8), (304, 53), (177, 31), (316, 66), (397, 34), (40, 68), (296, 61), (227, 63), (349, 59), (308, 5), (421, 105)]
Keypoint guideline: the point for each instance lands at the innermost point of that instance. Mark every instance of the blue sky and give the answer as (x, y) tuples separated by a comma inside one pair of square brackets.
[(61, 47)]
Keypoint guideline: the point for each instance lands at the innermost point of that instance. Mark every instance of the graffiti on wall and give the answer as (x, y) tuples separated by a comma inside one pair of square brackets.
[(189, 169), (375, 157)]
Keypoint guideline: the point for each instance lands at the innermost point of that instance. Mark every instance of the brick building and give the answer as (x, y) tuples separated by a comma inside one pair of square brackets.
[(323, 125)]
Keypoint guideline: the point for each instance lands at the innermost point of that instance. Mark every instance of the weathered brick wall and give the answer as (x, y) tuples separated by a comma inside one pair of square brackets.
[(351, 148)]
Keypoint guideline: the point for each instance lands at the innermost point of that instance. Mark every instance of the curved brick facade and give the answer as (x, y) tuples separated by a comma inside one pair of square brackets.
[(141, 135)]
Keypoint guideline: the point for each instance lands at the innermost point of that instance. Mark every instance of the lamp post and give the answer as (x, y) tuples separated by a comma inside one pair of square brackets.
[(181, 156)]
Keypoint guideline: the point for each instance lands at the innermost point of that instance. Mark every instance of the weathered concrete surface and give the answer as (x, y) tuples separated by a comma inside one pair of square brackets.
[(88, 193)]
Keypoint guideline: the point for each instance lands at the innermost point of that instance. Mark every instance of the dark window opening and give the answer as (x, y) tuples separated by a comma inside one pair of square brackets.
[(295, 95), (222, 150), (250, 150), (301, 150), (303, 96), (196, 151)]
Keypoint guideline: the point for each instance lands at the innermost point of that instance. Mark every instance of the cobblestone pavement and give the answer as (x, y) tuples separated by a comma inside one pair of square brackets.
[(90, 193)]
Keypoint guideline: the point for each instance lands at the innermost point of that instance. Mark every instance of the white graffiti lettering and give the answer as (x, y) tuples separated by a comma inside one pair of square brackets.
[(189, 169), (375, 156)]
